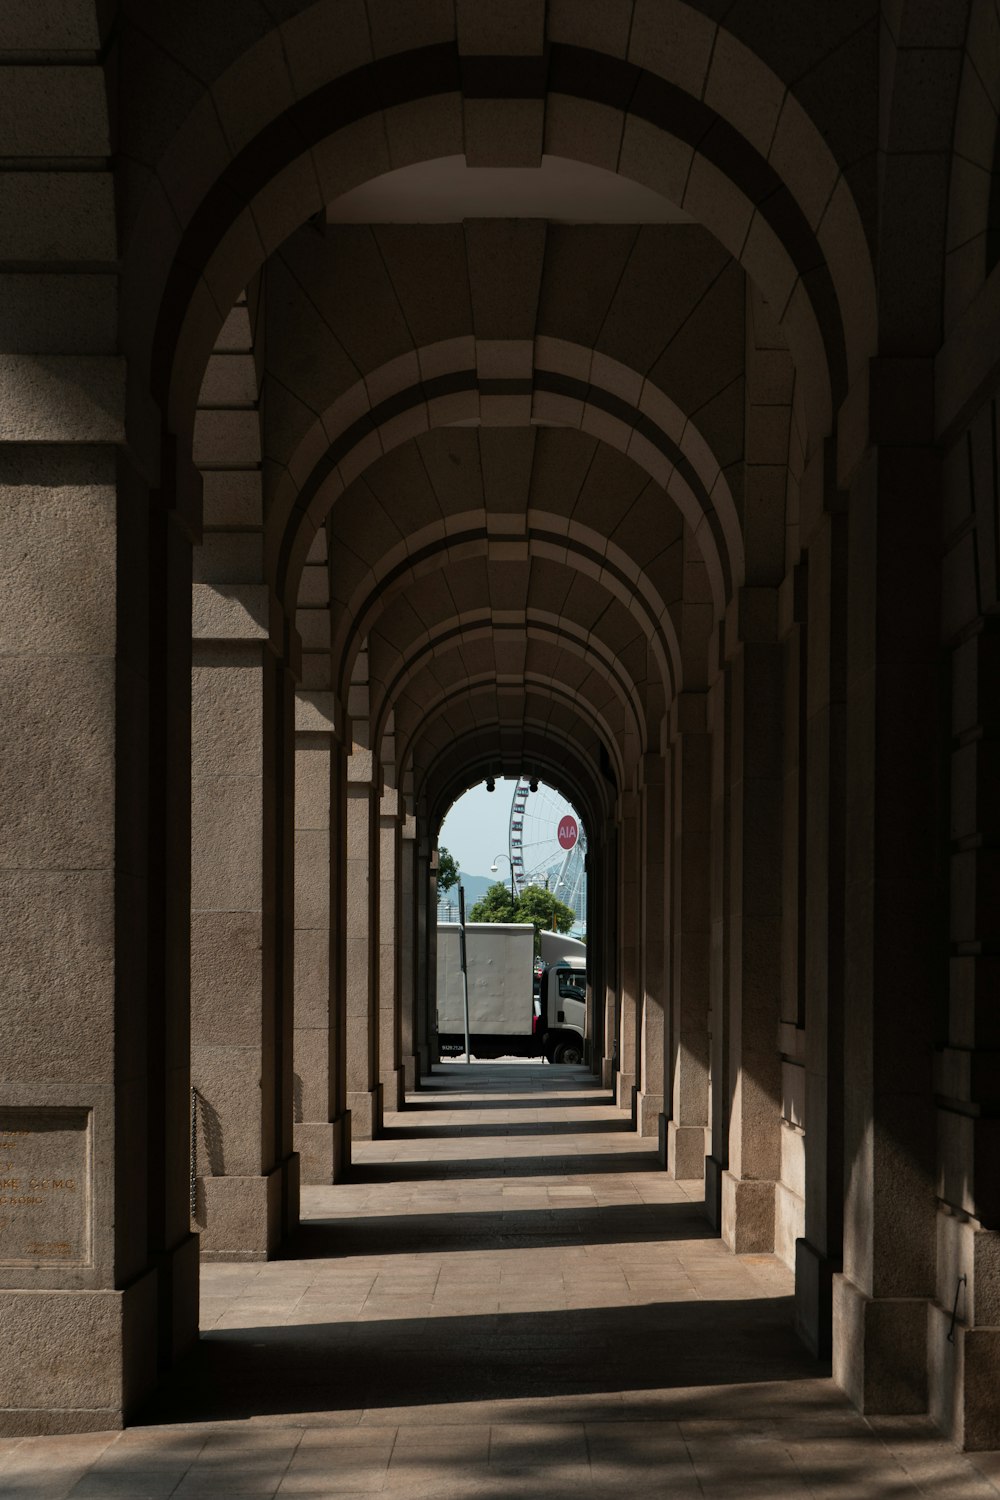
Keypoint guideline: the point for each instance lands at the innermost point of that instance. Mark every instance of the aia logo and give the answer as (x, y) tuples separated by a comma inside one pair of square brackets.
[(567, 833)]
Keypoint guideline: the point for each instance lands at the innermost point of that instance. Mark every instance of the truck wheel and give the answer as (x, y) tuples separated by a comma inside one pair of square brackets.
[(568, 1052)]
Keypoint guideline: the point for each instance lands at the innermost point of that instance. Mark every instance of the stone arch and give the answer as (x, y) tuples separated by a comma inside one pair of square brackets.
[(485, 685), (536, 687), (973, 210), (651, 430), (750, 164), (356, 623), (453, 633), (461, 766)]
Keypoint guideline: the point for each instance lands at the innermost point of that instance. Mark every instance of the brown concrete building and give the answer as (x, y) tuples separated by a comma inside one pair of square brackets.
[(397, 393)]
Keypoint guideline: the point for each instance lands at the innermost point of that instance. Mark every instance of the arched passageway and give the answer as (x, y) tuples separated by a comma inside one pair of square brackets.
[(653, 455)]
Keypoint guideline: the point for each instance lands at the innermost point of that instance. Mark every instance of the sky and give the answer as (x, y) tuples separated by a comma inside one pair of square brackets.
[(477, 827)]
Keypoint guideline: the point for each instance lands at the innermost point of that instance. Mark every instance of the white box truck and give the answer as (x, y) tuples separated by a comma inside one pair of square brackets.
[(509, 1016)]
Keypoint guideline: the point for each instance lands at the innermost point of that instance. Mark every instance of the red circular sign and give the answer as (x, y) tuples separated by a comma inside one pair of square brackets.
[(568, 832)]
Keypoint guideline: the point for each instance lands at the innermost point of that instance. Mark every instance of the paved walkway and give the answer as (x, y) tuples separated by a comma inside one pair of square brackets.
[(510, 1300)]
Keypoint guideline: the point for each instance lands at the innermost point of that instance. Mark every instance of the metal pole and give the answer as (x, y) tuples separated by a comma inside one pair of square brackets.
[(465, 971)]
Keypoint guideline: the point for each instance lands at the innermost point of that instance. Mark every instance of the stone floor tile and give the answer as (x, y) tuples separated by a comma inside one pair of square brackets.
[(132, 1485), (511, 1299)]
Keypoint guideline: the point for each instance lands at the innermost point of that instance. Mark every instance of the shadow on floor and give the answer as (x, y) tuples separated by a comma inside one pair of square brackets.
[(469, 1169), (513, 1100), (545, 1127), (506, 1228), (405, 1362)]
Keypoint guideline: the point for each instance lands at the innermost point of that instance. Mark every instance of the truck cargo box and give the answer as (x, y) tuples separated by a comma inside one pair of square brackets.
[(500, 967)]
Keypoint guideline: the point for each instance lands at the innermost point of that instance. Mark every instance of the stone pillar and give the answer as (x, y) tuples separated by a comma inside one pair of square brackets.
[(408, 965), (653, 977), (322, 1137), (597, 1048), (99, 1275), (818, 1253), (964, 1354), (690, 937), (361, 882), (789, 1192), (241, 916), (321, 1133), (389, 921), (964, 1359), (99, 1282), (719, 724), (426, 974), (612, 960), (755, 918), (432, 948), (364, 1091), (629, 914), (894, 938)]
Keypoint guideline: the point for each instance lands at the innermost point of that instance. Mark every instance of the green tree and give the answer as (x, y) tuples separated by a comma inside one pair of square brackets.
[(448, 871), (495, 906), (544, 911)]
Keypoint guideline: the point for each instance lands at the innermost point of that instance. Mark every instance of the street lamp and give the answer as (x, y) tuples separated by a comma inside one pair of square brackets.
[(494, 869)]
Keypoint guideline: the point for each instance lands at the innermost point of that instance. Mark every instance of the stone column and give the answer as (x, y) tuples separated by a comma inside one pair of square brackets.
[(408, 951), (99, 1278), (432, 949), (595, 956), (321, 1130), (364, 1091), (690, 937), (755, 919), (321, 1135), (241, 873), (719, 724), (818, 1253), (99, 1282), (964, 1355), (389, 920), (629, 1038), (789, 1192), (361, 881), (426, 975), (612, 960), (653, 978), (895, 939)]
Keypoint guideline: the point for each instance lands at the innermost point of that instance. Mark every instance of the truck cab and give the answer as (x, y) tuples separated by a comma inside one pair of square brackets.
[(561, 1012)]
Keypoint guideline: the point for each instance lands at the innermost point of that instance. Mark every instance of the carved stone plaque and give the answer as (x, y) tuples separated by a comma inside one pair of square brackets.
[(44, 1187)]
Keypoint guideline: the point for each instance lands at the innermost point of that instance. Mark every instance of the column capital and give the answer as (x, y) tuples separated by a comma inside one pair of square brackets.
[(652, 771), (318, 713), (389, 809), (752, 617), (792, 600), (688, 715), (891, 402)]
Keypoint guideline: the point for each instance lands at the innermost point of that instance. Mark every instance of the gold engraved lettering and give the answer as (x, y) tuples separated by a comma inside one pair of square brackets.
[(44, 1204)]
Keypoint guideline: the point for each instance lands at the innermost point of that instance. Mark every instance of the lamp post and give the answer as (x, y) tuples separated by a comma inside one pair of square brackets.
[(494, 869)]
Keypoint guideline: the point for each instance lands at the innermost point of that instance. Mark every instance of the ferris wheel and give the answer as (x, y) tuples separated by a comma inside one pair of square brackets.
[(548, 846)]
